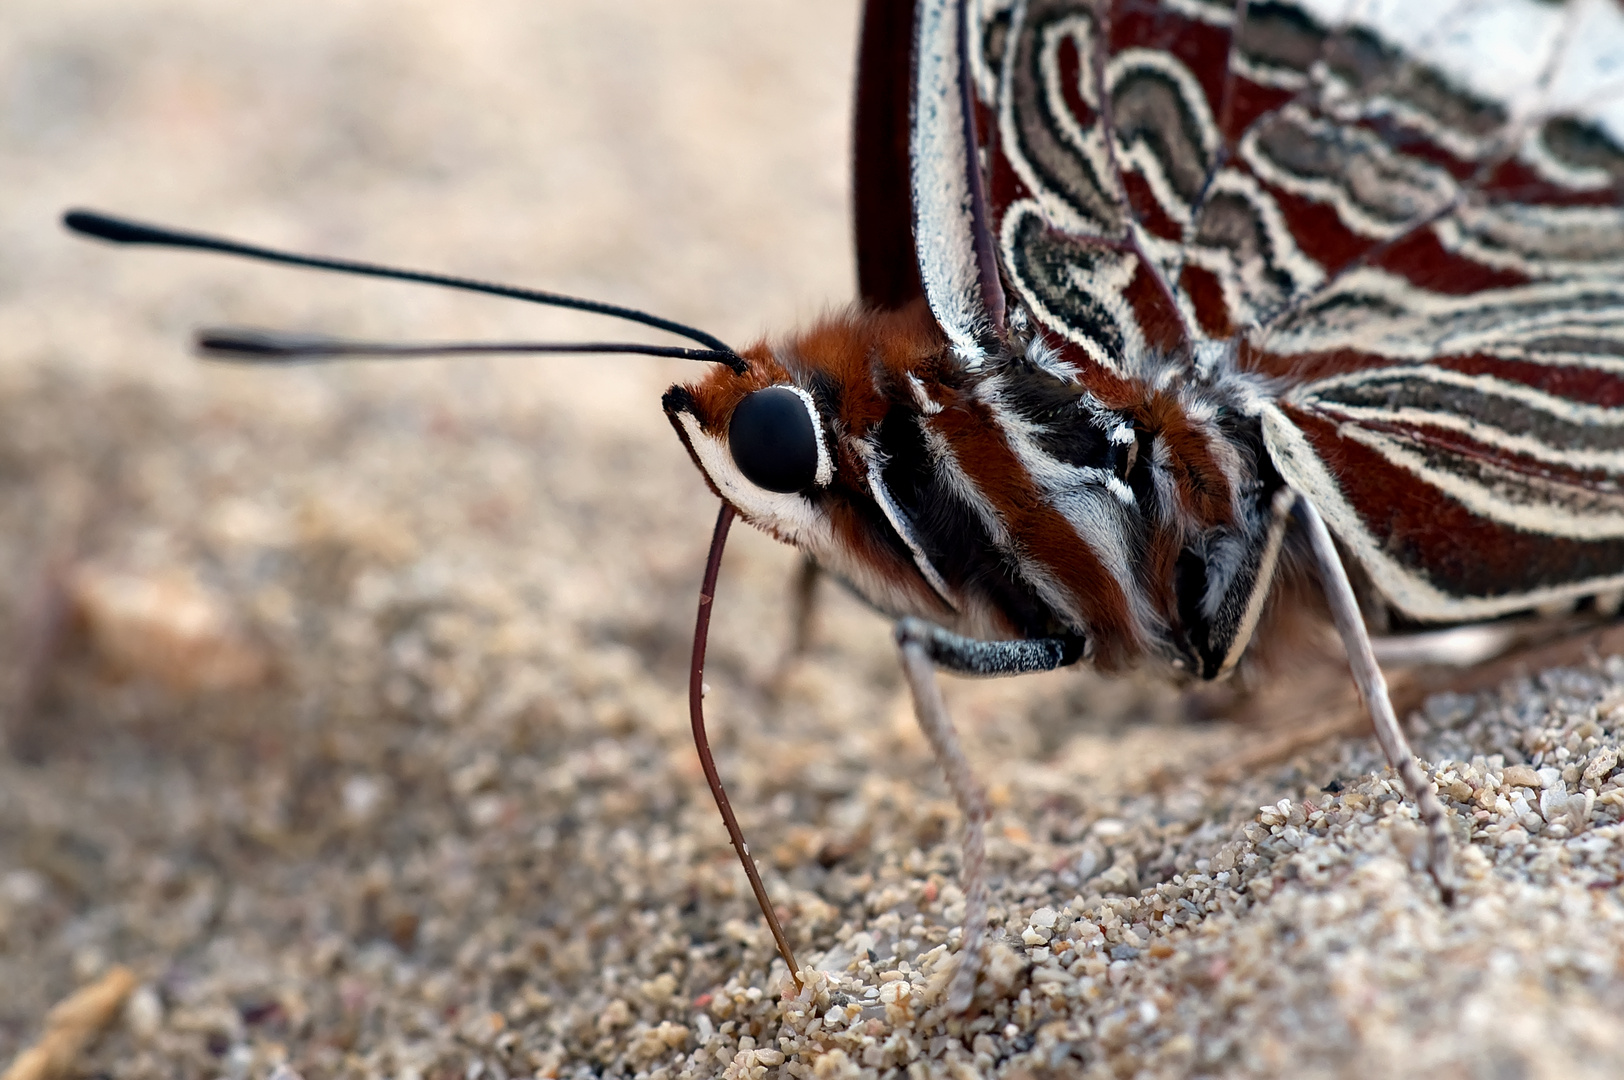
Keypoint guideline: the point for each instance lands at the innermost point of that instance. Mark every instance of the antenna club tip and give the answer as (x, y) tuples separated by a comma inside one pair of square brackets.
[(81, 220), (258, 346), (102, 227)]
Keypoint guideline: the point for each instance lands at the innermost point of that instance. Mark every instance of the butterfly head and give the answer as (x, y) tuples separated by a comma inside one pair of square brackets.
[(761, 437), (797, 444)]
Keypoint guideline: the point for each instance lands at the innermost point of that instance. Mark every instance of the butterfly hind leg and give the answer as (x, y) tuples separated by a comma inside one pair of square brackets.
[(1372, 687), (924, 648)]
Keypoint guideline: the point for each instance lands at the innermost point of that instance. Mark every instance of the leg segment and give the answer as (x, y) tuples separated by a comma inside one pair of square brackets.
[(923, 647), (803, 607), (1367, 677), (803, 613)]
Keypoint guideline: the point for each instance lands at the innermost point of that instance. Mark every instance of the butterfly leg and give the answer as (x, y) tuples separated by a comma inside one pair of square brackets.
[(1372, 687), (803, 607), (925, 647), (803, 611)]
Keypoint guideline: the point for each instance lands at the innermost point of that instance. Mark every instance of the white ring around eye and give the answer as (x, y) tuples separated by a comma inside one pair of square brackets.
[(826, 464)]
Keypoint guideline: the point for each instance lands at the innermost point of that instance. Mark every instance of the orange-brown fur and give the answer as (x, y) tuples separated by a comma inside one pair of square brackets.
[(1202, 486)]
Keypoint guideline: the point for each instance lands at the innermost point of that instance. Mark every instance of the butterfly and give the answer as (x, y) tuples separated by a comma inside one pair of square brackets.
[(1176, 319)]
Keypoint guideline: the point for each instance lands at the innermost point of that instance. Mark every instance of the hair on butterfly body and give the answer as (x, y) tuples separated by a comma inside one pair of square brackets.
[(1178, 320), (1007, 501)]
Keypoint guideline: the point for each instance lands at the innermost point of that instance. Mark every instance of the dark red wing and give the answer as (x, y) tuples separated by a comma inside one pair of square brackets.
[(887, 271)]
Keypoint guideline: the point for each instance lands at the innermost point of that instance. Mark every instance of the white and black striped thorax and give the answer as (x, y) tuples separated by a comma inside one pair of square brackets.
[(1069, 515), (1006, 499)]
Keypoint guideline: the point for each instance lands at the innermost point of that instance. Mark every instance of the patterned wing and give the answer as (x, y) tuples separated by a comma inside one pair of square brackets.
[(1456, 400), (1406, 214), (1104, 125)]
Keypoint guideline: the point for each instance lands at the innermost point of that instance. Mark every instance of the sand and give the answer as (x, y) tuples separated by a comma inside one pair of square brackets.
[(346, 706)]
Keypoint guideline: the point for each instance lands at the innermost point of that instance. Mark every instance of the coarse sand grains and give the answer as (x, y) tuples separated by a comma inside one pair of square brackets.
[(346, 706)]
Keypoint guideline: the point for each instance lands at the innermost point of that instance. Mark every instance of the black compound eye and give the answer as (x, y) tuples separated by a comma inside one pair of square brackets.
[(773, 441)]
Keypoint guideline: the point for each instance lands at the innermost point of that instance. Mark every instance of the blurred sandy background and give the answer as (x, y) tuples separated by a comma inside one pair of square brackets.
[(346, 705)]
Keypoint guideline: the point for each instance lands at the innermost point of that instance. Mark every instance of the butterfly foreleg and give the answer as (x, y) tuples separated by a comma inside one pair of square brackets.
[(803, 601), (803, 611), (1372, 687), (925, 647)]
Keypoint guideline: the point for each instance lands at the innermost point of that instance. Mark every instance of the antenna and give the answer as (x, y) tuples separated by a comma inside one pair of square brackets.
[(247, 346), (123, 231)]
